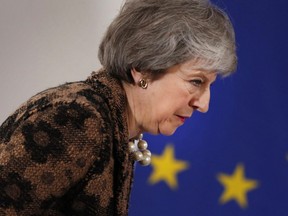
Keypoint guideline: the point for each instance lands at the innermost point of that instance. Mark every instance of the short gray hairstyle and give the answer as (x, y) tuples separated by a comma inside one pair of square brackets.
[(153, 35)]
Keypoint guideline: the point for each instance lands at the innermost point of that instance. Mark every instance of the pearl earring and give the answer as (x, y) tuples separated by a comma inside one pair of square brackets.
[(140, 153)]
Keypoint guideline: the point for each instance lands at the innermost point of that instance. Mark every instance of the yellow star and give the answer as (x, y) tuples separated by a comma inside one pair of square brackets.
[(236, 186), (166, 167)]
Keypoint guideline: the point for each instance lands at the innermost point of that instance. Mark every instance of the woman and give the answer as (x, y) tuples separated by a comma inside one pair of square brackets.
[(66, 151)]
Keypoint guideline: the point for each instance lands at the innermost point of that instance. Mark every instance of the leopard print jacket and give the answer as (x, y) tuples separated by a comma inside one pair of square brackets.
[(64, 152)]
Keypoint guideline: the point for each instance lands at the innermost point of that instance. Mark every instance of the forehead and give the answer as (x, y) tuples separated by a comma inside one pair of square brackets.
[(190, 69)]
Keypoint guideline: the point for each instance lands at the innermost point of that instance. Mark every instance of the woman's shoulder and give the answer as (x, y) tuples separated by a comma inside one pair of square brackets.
[(65, 94), (63, 102)]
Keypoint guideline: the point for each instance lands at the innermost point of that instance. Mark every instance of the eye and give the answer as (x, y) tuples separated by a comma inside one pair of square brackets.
[(197, 82)]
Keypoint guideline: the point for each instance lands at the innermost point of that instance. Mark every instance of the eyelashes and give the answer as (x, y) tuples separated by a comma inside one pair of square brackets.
[(197, 82)]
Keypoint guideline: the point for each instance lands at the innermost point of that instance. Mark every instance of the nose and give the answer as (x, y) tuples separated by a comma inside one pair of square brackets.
[(201, 101)]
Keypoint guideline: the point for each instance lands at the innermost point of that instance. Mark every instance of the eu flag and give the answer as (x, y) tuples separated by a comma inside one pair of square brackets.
[(233, 160)]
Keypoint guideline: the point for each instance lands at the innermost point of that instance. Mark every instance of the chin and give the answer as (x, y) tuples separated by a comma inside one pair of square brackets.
[(167, 132)]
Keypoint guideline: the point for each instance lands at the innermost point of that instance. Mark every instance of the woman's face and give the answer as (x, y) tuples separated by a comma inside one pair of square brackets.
[(170, 100)]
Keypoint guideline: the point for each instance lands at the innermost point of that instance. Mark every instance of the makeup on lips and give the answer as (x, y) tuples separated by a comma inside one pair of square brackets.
[(182, 118)]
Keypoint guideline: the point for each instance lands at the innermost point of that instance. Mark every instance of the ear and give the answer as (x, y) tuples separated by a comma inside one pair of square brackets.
[(136, 75)]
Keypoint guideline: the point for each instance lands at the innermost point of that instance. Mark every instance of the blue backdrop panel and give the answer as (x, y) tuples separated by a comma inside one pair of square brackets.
[(234, 159)]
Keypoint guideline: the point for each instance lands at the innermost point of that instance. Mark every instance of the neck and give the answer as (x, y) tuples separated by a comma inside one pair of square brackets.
[(133, 126)]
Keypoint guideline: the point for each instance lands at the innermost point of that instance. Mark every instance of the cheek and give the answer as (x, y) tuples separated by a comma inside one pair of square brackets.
[(166, 111), (162, 107), (177, 102)]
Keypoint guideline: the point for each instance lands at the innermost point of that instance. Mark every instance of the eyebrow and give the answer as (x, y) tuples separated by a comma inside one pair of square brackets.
[(202, 73)]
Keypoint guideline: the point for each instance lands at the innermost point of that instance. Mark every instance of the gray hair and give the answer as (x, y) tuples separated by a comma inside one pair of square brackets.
[(153, 35)]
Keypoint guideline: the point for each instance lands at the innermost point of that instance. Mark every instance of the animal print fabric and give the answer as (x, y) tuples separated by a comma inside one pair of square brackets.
[(64, 152)]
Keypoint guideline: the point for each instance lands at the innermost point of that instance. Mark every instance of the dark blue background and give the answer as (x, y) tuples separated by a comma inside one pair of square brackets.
[(246, 123)]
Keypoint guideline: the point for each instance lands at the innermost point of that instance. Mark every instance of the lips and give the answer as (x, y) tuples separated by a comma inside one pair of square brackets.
[(182, 118)]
